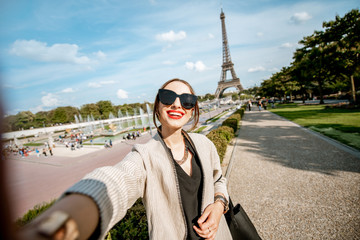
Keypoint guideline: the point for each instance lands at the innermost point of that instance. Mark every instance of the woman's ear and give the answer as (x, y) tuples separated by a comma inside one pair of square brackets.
[(157, 115)]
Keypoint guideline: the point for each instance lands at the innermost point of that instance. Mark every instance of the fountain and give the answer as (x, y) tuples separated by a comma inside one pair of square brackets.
[(127, 119), (76, 119), (148, 112), (119, 123), (143, 118), (137, 119)]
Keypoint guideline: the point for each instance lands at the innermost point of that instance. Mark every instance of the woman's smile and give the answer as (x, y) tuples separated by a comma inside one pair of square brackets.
[(175, 114)]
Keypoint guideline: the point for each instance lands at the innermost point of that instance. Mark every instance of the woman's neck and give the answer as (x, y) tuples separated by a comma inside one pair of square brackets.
[(172, 137)]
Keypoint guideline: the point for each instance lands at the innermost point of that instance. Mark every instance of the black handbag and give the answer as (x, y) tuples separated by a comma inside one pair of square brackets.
[(240, 224)]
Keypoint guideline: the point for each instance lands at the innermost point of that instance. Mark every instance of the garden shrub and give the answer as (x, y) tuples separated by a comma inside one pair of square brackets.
[(237, 116), (226, 132), (222, 136), (219, 142), (231, 122), (241, 111), (133, 225)]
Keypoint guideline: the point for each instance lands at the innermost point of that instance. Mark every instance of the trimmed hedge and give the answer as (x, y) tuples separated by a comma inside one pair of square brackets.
[(132, 226), (232, 123), (226, 132), (219, 141), (223, 135)]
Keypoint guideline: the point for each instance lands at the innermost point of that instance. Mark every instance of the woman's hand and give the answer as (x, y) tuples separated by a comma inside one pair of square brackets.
[(84, 214), (209, 221)]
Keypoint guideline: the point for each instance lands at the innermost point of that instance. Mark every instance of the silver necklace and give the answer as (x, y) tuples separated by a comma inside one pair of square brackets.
[(186, 154)]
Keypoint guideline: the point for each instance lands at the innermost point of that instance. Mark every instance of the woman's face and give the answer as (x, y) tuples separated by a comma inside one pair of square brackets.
[(175, 116)]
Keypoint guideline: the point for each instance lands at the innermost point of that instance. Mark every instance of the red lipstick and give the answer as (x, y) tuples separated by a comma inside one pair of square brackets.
[(175, 114)]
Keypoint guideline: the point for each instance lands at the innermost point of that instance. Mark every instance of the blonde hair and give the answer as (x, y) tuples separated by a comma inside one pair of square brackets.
[(196, 112)]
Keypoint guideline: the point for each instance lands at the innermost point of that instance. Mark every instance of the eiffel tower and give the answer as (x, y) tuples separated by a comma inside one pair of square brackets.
[(227, 65)]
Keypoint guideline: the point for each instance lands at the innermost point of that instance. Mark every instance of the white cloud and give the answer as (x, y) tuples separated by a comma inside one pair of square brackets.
[(211, 36), (122, 94), (289, 45), (100, 55), (301, 17), (260, 34), (39, 51), (198, 66), (94, 85), (68, 90), (189, 65), (50, 100), (256, 69), (286, 45), (171, 36)]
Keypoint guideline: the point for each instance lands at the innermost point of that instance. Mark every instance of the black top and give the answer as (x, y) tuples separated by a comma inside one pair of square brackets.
[(191, 191)]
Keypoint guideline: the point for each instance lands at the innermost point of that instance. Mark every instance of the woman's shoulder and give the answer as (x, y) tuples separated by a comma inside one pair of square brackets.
[(152, 144)]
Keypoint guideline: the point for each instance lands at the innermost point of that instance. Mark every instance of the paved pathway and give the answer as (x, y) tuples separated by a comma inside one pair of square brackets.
[(294, 184)]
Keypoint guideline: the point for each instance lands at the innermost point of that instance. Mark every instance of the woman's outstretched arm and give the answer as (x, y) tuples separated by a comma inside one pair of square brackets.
[(73, 215)]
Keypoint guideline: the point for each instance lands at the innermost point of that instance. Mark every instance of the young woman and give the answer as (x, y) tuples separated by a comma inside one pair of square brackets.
[(177, 174)]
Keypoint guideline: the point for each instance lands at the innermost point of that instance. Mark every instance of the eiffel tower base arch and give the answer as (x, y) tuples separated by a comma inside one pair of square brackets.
[(223, 85)]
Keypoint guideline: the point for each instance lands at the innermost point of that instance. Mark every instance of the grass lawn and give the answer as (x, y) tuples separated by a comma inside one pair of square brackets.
[(199, 130), (33, 144), (340, 124), (215, 118)]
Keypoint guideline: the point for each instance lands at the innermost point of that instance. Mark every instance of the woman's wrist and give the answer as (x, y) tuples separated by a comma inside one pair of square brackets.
[(219, 206), (223, 201)]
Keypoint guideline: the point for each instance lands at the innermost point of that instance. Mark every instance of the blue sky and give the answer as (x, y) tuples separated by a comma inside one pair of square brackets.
[(60, 53)]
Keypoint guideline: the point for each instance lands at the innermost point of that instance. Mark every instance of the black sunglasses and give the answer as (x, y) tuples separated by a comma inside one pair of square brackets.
[(168, 97)]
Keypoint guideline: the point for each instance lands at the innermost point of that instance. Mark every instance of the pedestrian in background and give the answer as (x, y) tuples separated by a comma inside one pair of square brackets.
[(259, 105), (44, 152)]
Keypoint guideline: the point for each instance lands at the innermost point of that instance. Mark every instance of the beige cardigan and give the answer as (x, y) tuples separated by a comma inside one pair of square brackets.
[(149, 172)]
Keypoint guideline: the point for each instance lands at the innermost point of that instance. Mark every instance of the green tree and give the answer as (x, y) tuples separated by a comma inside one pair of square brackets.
[(254, 91), (329, 55), (90, 109), (234, 96), (24, 120), (41, 118), (59, 116), (63, 114), (209, 96), (343, 35), (105, 108)]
